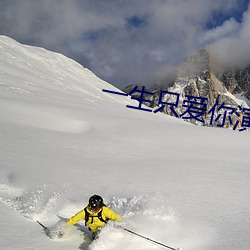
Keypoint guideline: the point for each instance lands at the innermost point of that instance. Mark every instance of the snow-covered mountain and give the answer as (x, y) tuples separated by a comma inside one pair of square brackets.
[(63, 139), (215, 91)]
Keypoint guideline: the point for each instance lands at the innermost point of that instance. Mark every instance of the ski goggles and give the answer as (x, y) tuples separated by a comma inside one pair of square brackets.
[(94, 208)]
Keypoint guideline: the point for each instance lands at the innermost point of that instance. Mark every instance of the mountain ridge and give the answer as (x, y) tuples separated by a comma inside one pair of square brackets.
[(197, 77)]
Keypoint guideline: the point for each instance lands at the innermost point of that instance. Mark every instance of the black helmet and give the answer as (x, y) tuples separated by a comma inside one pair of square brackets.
[(96, 202)]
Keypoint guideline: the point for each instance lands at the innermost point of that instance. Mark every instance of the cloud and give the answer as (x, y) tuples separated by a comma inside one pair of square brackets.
[(121, 41), (228, 28), (233, 49)]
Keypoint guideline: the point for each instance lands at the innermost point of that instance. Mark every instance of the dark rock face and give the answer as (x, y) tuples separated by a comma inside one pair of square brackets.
[(237, 81), (214, 105)]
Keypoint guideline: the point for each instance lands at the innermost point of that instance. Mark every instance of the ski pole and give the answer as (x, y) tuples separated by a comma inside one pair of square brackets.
[(146, 238), (45, 228)]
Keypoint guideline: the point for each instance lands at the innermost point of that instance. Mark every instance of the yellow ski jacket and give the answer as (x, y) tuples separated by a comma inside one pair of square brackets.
[(94, 223)]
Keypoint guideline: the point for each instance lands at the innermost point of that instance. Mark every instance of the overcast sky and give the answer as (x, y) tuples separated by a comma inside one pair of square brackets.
[(131, 41)]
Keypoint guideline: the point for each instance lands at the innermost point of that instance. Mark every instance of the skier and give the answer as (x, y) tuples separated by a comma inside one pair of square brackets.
[(95, 214)]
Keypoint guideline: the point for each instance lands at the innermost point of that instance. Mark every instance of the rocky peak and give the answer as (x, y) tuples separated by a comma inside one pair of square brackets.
[(197, 64), (196, 78)]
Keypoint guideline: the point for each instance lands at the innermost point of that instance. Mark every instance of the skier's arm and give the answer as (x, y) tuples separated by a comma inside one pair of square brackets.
[(110, 214), (77, 217)]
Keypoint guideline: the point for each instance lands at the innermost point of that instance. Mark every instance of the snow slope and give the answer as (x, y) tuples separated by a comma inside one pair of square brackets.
[(62, 139)]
